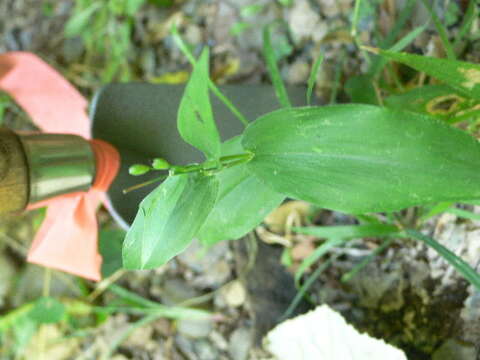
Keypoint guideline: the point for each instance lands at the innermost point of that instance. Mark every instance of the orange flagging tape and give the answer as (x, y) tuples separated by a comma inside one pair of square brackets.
[(68, 238)]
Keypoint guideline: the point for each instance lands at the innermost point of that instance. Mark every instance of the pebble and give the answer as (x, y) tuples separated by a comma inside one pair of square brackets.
[(298, 73), (234, 293), (195, 328), (303, 21), (174, 291), (240, 343)]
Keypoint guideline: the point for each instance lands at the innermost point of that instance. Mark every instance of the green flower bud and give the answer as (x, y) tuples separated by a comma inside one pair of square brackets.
[(160, 164), (138, 169)]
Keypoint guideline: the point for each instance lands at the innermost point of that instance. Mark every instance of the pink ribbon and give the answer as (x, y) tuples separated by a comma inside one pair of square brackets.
[(68, 238)]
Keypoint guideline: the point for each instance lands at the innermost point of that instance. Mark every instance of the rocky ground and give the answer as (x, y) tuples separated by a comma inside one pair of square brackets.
[(408, 295)]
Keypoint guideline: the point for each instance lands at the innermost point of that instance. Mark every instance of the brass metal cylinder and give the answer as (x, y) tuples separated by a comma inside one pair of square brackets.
[(36, 167), (14, 184), (57, 164)]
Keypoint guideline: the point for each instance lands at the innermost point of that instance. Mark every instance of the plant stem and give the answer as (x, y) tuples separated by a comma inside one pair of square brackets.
[(146, 183), (209, 166)]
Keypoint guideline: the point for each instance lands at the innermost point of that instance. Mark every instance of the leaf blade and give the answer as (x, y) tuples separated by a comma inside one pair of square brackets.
[(160, 230), (460, 75), (195, 119), (243, 201), (362, 158)]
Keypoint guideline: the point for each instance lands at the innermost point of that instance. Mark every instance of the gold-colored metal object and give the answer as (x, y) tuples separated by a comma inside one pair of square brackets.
[(36, 167), (57, 164), (14, 185)]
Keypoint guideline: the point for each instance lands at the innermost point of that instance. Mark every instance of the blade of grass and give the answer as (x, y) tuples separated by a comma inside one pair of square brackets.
[(336, 81), (130, 297), (464, 214), (305, 287), (312, 79), (168, 312), (401, 44), (442, 32), (460, 75), (352, 273), (348, 231), (212, 86), (461, 266), (470, 16), (437, 209), (313, 257), (354, 30), (272, 67), (404, 16)]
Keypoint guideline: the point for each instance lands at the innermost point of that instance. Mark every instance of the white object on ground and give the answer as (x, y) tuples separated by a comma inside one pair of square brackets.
[(323, 334)]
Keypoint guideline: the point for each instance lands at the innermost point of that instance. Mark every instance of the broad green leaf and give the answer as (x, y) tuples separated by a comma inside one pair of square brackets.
[(47, 310), (348, 231), (363, 158), (195, 117), (243, 201), (440, 100), (461, 75), (80, 20), (168, 219)]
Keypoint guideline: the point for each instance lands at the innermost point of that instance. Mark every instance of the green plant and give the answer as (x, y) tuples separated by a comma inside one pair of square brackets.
[(353, 158), (106, 30)]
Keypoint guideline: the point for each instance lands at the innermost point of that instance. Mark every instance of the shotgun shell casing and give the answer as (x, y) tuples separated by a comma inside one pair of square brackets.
[(37, 167)]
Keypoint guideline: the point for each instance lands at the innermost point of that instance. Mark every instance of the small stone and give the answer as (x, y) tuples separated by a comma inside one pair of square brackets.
[(234, 293), (193, 34), (174, 291), (218, 340), (216, 276), (140, 336), (240, 344), (298, 73), (195, 329), (205, 351), (303, 21)]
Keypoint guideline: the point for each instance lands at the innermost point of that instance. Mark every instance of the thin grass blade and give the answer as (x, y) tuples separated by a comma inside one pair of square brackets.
[(442, 32), (304, 288), (352, 273), (272, 67), (348, 231), (312, 79), (460, 75), (317, 254), (461, 266)]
